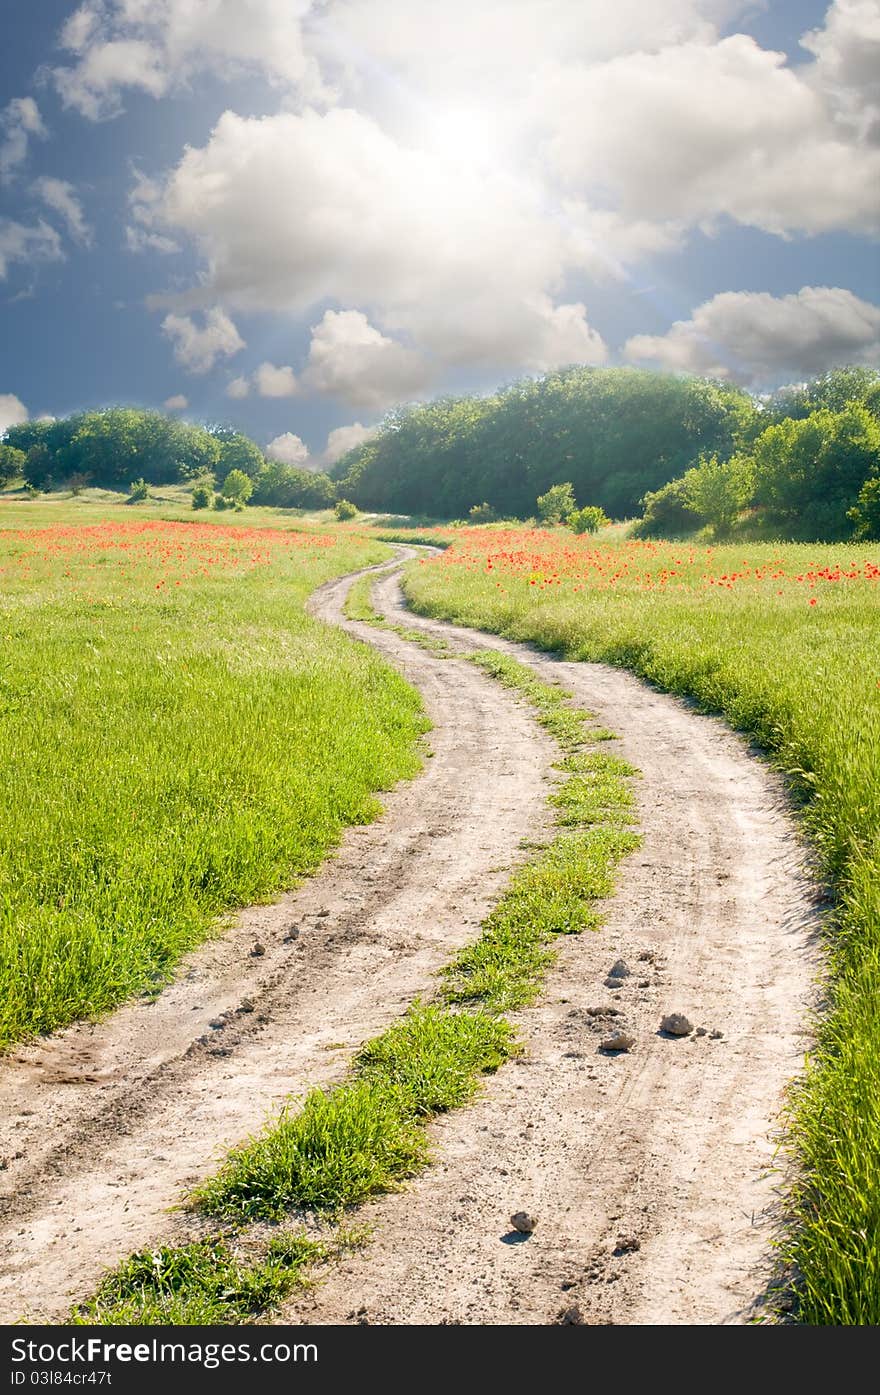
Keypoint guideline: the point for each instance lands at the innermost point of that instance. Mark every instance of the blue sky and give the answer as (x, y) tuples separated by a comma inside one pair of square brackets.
[(293, 215)]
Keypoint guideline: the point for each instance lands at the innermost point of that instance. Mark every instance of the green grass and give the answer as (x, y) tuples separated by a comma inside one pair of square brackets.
[(203, 1283), (364, 1136), (734, 627), (346, 1143), (177, 739)]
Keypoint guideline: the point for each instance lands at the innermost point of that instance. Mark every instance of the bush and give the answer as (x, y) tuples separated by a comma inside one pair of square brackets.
[(78, 481), (717, 491), (588, 519), (667, 512), (345, 509), (482, 513), (865, 514), (138, 490), (237, 488), (558, 503), (11, 464), (203, 494)]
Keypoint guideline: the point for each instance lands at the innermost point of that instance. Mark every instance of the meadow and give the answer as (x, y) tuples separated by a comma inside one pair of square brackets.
[(177, 738), (784, 641)]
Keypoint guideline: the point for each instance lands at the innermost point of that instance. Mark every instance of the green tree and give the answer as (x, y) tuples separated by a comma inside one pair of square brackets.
[(12, 462), (557, 503), (285, 487), (717, 491), (588, 519), (809, 473), (237, 488), (345, 510), (238, 452), (865, 513)]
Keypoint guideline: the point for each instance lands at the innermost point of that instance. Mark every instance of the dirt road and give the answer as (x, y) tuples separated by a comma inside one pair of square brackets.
[(648, 1172)]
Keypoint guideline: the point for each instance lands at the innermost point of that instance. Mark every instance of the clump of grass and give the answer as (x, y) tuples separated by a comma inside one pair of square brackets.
[(359, 606), (552, 896), (565, 724), (342, 1145), (203, 1283), (435, 1057)]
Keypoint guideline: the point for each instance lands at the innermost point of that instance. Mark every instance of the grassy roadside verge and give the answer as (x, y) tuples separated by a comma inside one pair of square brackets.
[(339, 1146), (784, 642)]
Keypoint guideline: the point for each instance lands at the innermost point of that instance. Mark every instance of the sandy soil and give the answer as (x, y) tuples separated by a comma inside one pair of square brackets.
[(649, 1173)]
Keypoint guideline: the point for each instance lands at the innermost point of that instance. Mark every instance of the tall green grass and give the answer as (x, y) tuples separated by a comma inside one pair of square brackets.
[(177, 738), (734, 627)]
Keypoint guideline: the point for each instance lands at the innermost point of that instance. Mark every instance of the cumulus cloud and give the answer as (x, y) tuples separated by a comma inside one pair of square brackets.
[(12, 411), (19, 120), (238, 388), (759, 339), (293, 210), (847, 67), (345, 438), (698, 131), (156, 45), (198, 348), (290, 450), (29, 243), (271, 381), (177, 403), (351, 360), (61, 197)]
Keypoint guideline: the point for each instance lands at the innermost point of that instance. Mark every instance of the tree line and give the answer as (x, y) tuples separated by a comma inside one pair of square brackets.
[(121, 447), (811, 473)]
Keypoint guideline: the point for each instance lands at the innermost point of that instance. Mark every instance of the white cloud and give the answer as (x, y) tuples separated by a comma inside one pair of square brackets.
[(290, 450), (698, 131), (847, 68), (156, 46), (198, 349), (760, 340), (12, 411), (345, 438), (33, 243), (93, 86), (351, 360), (19, 120), (293, 210), (238, 388), (177, 403), (60, 196), (275, 382)]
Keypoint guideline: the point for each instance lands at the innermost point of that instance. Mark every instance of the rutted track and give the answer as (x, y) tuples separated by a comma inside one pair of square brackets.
[(651, 1173), (661, 1154)]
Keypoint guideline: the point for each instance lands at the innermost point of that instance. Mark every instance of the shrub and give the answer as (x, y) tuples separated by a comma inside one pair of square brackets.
[(667, 512), (345, 509), (865, 514), (557, 503), (11, 464), (138, 490), (482, 513), (203, 494), (237, 488), (588, 519)]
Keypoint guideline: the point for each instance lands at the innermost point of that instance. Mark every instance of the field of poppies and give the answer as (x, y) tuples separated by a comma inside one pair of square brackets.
[(177, 738), (784, 641)]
